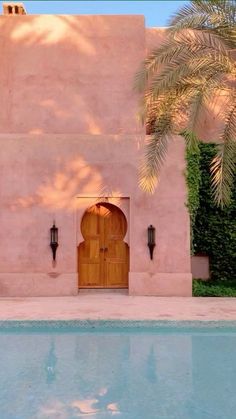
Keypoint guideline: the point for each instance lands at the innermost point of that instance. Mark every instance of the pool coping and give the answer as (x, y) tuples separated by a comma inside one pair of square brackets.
[(88, 324), (118, 308)]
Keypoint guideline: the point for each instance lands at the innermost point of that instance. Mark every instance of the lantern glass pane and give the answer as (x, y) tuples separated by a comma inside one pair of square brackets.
[(54, 234), (151, 234)]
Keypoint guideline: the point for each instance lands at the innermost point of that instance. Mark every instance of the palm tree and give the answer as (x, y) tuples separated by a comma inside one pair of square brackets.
[(195, 65)]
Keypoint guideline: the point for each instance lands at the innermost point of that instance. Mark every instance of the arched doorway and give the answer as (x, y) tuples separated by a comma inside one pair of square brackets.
[(103, 256)]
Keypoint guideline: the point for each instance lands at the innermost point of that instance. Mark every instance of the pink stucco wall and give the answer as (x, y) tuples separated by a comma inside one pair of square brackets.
[(69, 74), (70, 136), (200, 267)]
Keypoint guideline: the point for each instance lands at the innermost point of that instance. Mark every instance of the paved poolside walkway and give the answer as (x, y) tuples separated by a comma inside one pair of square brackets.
[(117, 305)]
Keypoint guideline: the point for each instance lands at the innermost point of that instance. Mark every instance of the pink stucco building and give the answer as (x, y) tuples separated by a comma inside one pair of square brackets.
[(70, 140)]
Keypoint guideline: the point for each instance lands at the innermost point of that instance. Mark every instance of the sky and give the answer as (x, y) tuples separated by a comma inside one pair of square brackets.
[(156, 12)]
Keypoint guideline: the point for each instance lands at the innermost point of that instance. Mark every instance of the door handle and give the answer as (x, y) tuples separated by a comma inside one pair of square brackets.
[(103, 249)]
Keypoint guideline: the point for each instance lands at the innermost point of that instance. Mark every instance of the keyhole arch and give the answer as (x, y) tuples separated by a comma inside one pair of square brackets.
[(105, 210), (103, 256)]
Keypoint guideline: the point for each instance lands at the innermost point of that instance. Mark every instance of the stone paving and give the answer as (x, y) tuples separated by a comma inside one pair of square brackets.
[(117, 305)]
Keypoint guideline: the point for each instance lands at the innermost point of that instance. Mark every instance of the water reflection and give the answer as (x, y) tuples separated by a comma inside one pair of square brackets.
[(129, 374), (50, 364), (151, 371)]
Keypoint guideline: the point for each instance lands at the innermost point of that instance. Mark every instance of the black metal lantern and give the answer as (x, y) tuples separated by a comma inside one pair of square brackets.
[(151, 240), (54, 240)]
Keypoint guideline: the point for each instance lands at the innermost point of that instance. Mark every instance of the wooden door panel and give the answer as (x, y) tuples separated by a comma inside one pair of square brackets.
[(117, 255), (89, 263), (117, 261), (117, 275), (103, 257), (115, 225), (117, 249), (89, 275)]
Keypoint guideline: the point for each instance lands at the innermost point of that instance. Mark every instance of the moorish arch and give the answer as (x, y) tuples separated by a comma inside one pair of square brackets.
[(103, 256)]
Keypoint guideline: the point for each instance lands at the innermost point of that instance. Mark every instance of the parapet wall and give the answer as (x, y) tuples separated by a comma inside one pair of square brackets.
[(70, 74)]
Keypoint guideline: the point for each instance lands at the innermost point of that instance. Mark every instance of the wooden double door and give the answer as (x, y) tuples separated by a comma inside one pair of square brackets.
[(103, 256)]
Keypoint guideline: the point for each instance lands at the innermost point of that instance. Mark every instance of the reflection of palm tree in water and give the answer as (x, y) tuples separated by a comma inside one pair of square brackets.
[(50, 364), (107, 399), (111, 398), (108, 392)]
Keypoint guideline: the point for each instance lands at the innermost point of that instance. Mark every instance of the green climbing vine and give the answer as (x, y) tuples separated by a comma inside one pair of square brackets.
[(213, 229), (193, 179)]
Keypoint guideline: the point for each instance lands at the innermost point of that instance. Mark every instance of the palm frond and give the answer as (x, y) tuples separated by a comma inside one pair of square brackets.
[(205, 89), (223, 167), (165, 53), (173, 75), (187, 48), (156, 150), (214, 16), (192, 141), (223, 172), (204, 14), (192, 68)]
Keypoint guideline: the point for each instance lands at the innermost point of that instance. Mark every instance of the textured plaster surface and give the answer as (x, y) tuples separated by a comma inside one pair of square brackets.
[(74, 73), (70, 137), (117, 305), (54, 172)]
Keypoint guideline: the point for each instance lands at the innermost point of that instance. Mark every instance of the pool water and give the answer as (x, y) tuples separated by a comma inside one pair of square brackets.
[(157, 372)]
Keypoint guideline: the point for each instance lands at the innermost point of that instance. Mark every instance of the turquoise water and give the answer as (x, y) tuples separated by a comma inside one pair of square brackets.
[(69, 371)]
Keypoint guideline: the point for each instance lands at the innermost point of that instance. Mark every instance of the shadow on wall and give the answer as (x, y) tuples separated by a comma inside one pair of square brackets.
[(59, 191), (70, 74)]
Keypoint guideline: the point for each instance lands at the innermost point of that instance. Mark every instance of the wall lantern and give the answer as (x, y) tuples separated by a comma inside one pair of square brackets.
[(151, 240), (54, 240)]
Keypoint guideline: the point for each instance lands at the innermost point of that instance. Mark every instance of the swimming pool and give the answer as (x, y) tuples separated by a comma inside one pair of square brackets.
[(130, 370)]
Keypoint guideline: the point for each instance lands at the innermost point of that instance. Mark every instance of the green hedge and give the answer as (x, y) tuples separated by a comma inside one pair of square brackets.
[(213, 228), (213, 289), (193, 179)]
